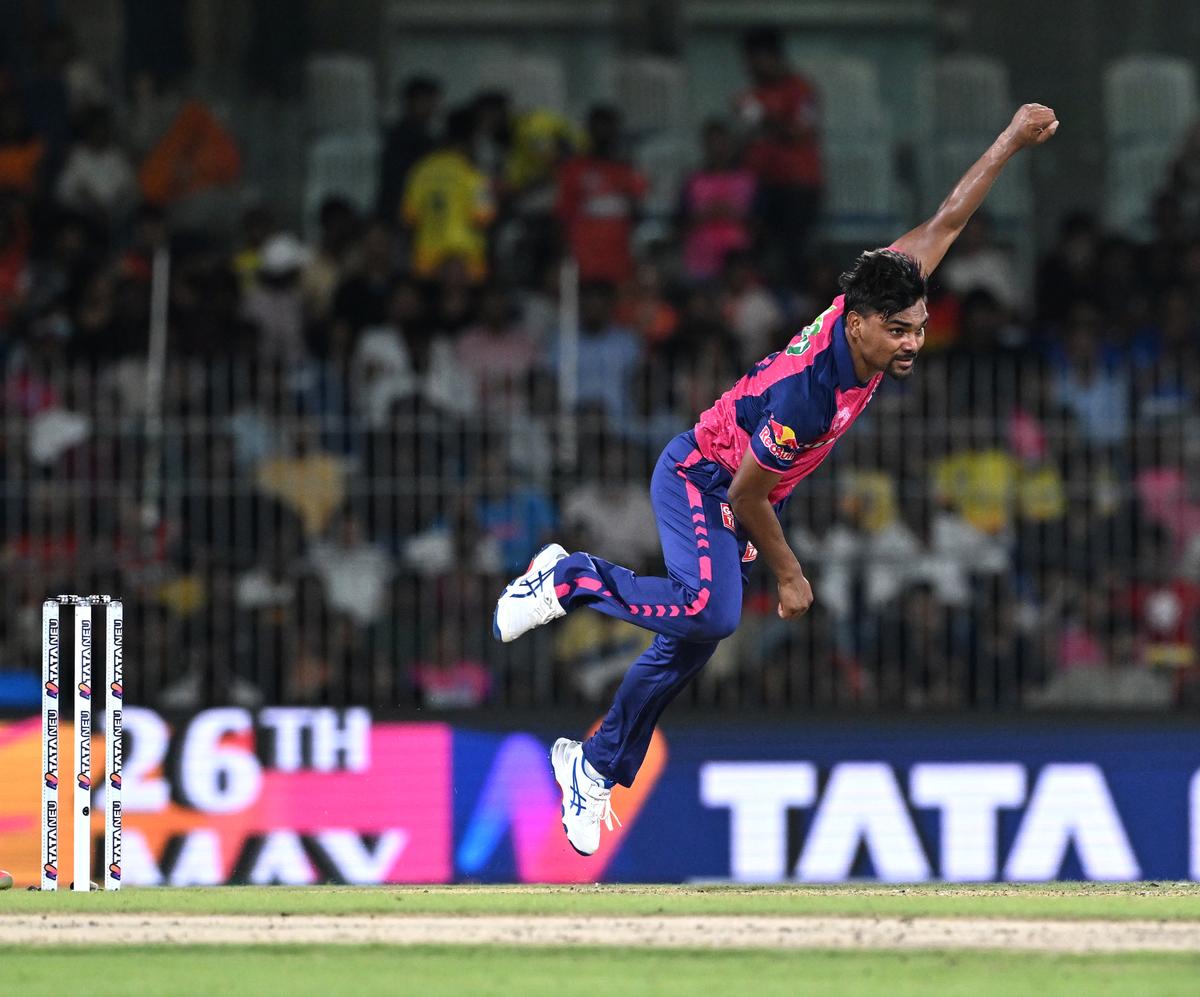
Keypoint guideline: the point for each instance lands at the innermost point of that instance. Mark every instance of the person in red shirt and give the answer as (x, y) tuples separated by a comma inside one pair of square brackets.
[(782, 114), (598, 199)]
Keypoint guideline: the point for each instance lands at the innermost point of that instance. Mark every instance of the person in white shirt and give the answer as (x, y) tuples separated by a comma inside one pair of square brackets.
[(98, 179)]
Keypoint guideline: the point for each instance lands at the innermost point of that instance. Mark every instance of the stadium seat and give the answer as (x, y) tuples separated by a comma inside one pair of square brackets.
[(1009, 203), (664, 160), (860, 198), (1149, 103), (1136, 172), (1149, 98), (964, 96), (651, 93), (850, 100), (340, 94), (346, 165), (534, 82)]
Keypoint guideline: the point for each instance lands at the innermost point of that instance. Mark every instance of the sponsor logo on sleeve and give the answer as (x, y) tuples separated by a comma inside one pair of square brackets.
[(751, 553), (727, 517), (780, 441)]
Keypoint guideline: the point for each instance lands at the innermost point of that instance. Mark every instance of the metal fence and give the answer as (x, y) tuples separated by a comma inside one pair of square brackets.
[(1002, 530)]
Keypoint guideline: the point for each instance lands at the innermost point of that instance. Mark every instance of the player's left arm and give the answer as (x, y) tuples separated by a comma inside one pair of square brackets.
[(1033, 124)]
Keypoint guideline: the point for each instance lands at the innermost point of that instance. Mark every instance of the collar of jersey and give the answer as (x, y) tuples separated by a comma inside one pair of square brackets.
[(842, 359)]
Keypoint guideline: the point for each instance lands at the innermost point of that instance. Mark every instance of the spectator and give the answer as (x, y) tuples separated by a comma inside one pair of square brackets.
[(1090, 384), (21, 151), (362, 298), (644, 307), (451, 679), (69, 252), (782, 116), (387, 358), (258, 225), (931, 666), (980, 484), (718, 201), (542, 140), (211, 325), (498, 353), (1069, 272), (409, 140), (309, 481), (1163, 609), (1166, 358), (356, 574), (493, 134), (1184, 182), (751, 311), (608, 353), (448, 204), (15, 271), (598, 200), (609, 511), (515, 516), (275, 305), (332, 259), (977, 262), (98, 179)]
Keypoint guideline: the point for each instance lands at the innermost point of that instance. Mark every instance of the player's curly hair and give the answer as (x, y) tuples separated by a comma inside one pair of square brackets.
[(884, 282)]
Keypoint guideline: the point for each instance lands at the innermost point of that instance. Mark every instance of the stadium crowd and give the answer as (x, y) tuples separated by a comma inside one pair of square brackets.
[(362, 431)]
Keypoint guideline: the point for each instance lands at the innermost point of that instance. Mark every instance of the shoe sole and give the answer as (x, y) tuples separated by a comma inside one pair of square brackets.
[(495, 625)]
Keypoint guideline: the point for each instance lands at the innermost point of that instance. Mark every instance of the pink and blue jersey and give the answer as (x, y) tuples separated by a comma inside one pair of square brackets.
[(791, 407), (789, 411)]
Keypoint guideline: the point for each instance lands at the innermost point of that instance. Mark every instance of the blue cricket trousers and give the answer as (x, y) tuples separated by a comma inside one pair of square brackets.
[(690, 611)]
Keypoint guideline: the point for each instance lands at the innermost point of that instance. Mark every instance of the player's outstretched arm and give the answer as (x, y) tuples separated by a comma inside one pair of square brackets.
[(1033, 124), (749, 499)]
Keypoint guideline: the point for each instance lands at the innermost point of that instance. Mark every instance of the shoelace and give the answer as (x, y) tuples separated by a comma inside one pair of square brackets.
[(600, 808), (608, 815)]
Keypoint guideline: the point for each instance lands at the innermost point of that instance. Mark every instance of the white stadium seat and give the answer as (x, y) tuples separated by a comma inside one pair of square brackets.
[(340, 94), (1147, 97), (964, 96), (534, 82), (650, 92), (345, 165), (850, 100), (1149, 104)]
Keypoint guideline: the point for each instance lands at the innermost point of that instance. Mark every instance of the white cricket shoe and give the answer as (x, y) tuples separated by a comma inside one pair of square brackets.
[(585, 801), (529, 600)]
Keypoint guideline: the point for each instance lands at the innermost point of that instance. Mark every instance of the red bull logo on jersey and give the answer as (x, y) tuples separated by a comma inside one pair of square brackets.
[(780, 441)]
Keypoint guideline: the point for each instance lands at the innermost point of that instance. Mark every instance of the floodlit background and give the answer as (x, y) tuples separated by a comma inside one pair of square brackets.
[(317, 319)]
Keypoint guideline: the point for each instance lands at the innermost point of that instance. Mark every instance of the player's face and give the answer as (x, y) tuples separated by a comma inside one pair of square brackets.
[(891, 343)]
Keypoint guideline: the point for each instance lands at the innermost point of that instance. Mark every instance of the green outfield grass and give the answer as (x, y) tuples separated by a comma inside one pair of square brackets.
[(1173, 901), (449, 972)]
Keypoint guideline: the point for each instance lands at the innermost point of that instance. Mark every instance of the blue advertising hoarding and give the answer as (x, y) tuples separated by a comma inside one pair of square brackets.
[(315, 794)]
